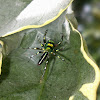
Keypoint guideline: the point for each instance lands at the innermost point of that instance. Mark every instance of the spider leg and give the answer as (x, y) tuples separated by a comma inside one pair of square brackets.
[(57, 50), (40, 41), (35, 55), (44, 37), (34, 48), (60, 49), (44, 69), (37, 48), (60, 41), (60, 58)]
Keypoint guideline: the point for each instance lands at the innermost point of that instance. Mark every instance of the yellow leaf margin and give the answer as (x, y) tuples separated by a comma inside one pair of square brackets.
[(89, 90), (38, 26), (1, 55)]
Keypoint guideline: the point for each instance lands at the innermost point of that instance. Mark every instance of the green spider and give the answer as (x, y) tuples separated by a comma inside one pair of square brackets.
[(48, 48)]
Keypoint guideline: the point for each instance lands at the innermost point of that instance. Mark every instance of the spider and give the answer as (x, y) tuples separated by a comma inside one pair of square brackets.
[(47, 48)]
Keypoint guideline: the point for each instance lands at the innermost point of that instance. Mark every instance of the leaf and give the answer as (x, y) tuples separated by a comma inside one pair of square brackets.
[(20, 79), (75, 78), (10, 9)]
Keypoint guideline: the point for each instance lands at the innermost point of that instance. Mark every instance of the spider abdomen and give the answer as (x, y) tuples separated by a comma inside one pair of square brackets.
[(43, 57)]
